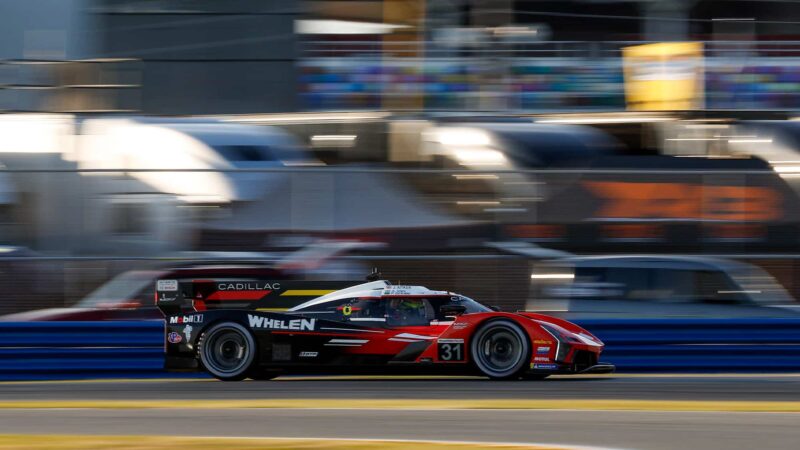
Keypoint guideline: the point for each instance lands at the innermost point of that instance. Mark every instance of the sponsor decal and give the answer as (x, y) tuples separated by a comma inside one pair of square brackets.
[(541, 359), (167, 285), (545, 366), (194, 318), (450, 341), (348, 309), (542, 350), (174, 338), (540, 341), (248, 286), (460, 325), (164, 298), (280, 324), (309, 354), (397, 291), (187, 331)]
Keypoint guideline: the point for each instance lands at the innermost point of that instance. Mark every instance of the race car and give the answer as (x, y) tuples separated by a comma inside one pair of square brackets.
[(370, 328)]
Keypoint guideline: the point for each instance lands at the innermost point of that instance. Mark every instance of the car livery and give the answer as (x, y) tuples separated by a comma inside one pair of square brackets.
[(379, 328)]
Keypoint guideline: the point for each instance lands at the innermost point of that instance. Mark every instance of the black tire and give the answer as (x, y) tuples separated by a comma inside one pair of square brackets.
[(500, 349), (534, 376), (262, 375), (227, 351)]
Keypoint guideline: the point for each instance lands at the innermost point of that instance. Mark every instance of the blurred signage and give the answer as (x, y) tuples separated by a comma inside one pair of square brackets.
[(685, 201), (674, 210), (664, 76)]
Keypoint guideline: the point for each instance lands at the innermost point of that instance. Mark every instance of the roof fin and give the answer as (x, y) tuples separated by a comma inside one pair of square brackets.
[(375, 275)]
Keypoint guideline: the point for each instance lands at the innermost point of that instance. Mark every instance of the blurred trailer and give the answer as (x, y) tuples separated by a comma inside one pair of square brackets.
[(353, 204), (577, 188), (665, 204)]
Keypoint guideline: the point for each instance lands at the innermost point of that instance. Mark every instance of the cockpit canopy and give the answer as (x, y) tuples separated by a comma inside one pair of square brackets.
[(379, 303)]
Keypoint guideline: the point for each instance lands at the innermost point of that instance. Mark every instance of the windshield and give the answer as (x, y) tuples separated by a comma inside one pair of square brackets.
[(548, 149), (471, 305), (245, 153), (125, 289), (761, 286)]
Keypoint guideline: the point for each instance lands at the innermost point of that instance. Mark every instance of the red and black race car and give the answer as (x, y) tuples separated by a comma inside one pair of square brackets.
[(370, 328)]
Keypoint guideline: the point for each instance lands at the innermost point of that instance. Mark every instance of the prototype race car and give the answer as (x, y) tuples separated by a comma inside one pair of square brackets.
[(370, 328)]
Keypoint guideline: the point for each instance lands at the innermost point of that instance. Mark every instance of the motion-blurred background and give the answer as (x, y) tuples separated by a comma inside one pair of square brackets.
[(589, 158)]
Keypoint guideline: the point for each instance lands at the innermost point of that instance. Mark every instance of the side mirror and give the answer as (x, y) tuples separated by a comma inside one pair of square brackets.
[(452, 310), (495, 308)]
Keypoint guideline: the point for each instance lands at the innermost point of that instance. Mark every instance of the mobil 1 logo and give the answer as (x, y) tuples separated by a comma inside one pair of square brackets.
[(450, 349)]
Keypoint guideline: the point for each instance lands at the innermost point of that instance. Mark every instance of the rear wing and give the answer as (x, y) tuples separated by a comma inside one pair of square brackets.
[(177, 296)]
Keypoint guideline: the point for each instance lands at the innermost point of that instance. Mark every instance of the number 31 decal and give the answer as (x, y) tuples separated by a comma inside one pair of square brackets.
[(451, 349)]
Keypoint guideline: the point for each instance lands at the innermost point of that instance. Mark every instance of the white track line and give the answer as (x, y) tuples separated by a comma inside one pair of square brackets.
[(412, 441)]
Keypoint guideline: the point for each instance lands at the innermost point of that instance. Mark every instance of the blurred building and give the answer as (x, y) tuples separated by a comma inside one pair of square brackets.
[(243, 56), (158, 57)]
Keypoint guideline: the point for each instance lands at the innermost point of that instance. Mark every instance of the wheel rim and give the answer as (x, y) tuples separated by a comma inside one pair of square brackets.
[(500, 350), (227, 351)]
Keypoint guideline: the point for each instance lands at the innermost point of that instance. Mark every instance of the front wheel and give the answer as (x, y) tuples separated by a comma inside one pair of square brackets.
[(534, 376), (500, 349), (227, 351)]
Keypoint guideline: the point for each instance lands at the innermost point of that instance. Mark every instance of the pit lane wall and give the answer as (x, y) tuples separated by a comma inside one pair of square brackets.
[(80, 350)]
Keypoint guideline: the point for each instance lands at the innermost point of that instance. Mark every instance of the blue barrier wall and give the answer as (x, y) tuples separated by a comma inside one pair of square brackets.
[(65, 350), (699, 345)]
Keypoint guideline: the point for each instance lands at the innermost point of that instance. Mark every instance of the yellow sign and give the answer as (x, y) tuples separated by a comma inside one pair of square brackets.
[(664, 76)]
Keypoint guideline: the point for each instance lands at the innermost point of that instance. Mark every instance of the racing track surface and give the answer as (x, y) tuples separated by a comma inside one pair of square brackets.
[(639, 387), (615, 429)]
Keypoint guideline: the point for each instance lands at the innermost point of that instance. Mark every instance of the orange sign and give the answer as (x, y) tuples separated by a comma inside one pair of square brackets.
[(685, 201)]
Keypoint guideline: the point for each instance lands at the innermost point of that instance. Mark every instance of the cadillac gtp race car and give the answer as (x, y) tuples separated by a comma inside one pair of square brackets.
[(371, 328)]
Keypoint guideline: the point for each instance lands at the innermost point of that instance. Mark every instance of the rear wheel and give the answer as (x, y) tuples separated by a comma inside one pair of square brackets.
[(262, 375), (227, 351), (500, 349)]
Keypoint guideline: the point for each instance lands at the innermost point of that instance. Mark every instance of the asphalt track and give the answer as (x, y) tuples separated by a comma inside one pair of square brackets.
[(776, 387), (638, 429)]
